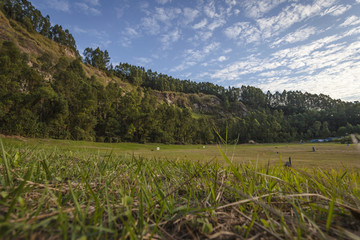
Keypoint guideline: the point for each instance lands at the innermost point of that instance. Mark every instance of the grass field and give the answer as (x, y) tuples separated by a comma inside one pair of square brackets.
[(327, 156), (53, 189)]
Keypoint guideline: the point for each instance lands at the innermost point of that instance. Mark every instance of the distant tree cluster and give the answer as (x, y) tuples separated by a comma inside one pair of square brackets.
[(278, 117), (25, 13)]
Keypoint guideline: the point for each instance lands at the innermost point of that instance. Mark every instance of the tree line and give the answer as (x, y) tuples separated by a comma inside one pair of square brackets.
[(271, 117)]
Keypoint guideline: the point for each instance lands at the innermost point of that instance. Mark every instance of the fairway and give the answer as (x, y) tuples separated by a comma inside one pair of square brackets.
[(327, 155)]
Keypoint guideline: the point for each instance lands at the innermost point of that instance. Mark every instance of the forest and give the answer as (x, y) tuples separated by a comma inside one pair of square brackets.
[(73, 106)]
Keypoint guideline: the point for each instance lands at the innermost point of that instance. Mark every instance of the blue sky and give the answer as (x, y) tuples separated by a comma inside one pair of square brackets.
[(276, 45)]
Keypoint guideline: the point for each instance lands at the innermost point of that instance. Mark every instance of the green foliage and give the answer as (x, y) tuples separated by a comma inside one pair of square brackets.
[(97, 58)]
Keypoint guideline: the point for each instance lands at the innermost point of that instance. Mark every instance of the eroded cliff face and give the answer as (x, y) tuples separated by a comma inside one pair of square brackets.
[(201, 103)]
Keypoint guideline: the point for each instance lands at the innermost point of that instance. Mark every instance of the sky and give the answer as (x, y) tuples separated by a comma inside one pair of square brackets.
[(307, 45)]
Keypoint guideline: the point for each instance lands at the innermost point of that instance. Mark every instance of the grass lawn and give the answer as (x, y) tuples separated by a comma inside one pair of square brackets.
[(55, 189), (327, 155)]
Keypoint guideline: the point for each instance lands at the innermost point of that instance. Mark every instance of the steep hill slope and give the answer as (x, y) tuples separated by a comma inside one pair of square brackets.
[(41, 49), (43, 54)]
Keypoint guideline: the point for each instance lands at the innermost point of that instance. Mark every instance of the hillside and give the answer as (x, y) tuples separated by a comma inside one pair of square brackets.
[(44, 53), (49, 90)]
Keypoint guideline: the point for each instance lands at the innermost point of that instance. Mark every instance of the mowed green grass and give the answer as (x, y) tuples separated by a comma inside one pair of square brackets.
[(326, 156)]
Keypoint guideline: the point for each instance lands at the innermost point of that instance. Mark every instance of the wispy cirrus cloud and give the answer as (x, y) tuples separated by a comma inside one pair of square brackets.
[(216, 24), (273, 26), (93, 2), (351, 21), (150, 25), (163, 1), (297, 36), (128, 34), (121, 8), (200, 24), (322, 66), (87, 9), (100, 38), (142, 61), (336, 10), (166, 15), (190, 15), (192, 57), (210, 9), (243, 32), (169, 38), (269, 27), (256, 9), (159, 20), (59, 5)]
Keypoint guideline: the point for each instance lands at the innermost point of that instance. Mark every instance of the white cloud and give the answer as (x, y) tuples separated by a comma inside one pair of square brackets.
[(131, 32), (190, 15), (328, 65), (169, 38), (336, 10), (141, 61), (350, 21), (144, 6), (159, 20), (234, 31), (353, 31), (243, 31), (128, 35), (216, 23), (87, 9), (230, 6), (290, 15), (200, 24), (194, 56), (300, 35), (222, 58), (121, 9), (166, 15), (99, 38), (59, 5), (227, 50), (150, 25), (210, 10), (93, 2), (203, 36), (274, 73), (258, 8), (163, 1)]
